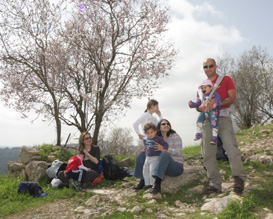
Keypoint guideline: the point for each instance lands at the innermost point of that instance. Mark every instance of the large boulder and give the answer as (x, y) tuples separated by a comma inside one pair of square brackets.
[(173, 184), (16, 169), (217, 205), (126, 162), (36, 170), (29, 154)]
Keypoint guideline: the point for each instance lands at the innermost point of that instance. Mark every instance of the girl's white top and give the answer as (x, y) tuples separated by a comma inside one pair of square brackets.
[(143, 120)]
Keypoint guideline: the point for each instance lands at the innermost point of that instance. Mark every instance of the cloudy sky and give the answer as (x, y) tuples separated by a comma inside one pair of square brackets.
[(199, 29)]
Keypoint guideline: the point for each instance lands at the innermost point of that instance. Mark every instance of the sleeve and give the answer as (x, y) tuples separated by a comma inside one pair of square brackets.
[(163, 143), (79, 163), (176, 145), (197, 104), (97, 153), (230, 84), (138, 122), (83, 167)]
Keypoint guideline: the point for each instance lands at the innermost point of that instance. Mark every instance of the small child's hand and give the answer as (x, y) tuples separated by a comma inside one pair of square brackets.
[(88, 169), (214, 106), (64, 174), (190, 103), (141, 136)]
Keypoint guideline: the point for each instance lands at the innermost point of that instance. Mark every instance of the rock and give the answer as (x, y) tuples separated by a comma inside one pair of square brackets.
[(152, 201), (15, 166), (173, 184), (17, 169), (126, 162), (269, 216), (227, 187), (137, 209), (260, 158), (150, 196), (217, 205), (83, 210), (29, 154), (197, 189), (36, 170), (97, 199), (148, 210), (121, 209)]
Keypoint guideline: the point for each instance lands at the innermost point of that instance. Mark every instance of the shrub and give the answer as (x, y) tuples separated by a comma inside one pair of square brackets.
[(58, 152), (238, 209)]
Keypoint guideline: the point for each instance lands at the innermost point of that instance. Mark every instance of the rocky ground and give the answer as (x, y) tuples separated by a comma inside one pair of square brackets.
[(106, 201)]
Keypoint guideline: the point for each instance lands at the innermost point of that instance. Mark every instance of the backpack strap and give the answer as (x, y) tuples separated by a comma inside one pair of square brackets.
[(218, 81)]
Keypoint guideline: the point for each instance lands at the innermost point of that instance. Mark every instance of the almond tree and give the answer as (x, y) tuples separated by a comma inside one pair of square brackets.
[(27, 30), (87, 68)]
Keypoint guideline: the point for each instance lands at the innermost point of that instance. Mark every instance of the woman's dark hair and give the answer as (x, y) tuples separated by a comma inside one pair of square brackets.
[(151, 103), (169, 132)]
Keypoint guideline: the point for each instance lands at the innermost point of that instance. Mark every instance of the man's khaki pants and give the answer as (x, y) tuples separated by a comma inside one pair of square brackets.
[(226, 133)]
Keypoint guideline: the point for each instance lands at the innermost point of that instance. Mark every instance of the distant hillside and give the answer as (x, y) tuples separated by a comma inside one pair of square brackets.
[(7, 155)]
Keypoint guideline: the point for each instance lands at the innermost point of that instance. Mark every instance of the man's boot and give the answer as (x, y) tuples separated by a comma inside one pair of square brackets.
[(157, 186), (238, 185)]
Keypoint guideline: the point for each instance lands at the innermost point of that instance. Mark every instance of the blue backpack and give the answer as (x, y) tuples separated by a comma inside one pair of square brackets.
[(32, 188)]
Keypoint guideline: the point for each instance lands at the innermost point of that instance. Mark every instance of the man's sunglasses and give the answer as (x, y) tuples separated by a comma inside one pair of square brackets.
[(208, 66), (166, 124)]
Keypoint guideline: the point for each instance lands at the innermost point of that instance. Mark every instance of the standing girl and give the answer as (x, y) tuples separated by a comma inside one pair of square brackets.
[(147, 117)]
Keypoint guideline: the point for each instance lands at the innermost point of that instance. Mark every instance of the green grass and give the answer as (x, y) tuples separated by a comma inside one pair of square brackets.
[(252, 134), (11, 202)]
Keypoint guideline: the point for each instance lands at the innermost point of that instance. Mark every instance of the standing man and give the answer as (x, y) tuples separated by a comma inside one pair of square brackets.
[(227, 92)]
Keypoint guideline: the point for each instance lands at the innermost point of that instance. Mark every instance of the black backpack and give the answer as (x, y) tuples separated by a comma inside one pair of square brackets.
[(111, 170), (221, 153)]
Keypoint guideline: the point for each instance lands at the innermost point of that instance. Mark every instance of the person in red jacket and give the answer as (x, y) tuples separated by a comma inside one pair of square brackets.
[(76, 171)]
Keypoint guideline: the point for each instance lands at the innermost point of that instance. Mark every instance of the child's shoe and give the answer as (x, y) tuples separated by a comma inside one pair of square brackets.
[(74, 184), (214, 140), (77, 185), (198, 136)]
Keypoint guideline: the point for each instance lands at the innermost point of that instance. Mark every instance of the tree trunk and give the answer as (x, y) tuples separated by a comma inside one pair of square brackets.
[(97, 128), (59, 130)]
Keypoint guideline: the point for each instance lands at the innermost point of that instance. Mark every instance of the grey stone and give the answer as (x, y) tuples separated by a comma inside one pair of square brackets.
[(36, 170), (173, 184), (217, 205), (126, 162), (29, 154)]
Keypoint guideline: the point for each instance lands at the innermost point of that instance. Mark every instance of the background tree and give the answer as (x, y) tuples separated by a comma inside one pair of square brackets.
[(120, 142), (252, 74)]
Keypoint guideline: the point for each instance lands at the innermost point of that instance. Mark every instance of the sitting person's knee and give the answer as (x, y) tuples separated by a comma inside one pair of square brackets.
[(164, 155), (141, 155)]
